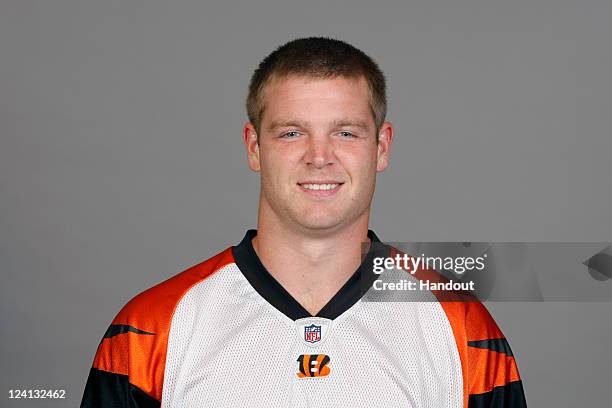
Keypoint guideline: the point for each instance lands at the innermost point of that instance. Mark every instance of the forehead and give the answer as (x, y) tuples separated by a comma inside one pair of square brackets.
[(303, 96)]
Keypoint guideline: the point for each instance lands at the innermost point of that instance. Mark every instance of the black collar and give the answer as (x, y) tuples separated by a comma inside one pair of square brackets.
[(270, 289)]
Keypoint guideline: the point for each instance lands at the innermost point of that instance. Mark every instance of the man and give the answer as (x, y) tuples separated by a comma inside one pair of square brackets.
[(280, 319)]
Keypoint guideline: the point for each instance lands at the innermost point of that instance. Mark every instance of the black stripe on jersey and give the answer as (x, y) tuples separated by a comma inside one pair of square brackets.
[(106, 389), (499, 345), (325, 361), (274, 293), (115, 329), (510, 395)]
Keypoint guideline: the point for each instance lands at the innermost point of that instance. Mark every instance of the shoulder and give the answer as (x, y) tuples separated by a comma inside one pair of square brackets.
[(152, 309), (472, 319), (467, 315), (490, 372), (132, 352)]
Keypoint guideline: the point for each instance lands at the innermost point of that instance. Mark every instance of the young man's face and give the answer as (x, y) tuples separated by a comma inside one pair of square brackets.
[(317, 152)]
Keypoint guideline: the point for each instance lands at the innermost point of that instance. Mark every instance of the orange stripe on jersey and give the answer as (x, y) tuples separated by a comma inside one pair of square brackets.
[(324, 369), (148, 317), (109, 356), (319, 365), (482, 369), (490, 369)]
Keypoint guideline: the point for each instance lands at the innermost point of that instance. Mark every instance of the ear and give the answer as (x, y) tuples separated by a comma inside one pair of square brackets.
[(249, 136), (385, 139)]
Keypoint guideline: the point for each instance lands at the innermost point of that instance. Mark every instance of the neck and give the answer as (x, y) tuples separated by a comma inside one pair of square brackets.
[(313, 266)]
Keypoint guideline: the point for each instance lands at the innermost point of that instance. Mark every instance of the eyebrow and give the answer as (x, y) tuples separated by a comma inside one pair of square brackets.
[(350, 122), (287, 123), (336, 123)]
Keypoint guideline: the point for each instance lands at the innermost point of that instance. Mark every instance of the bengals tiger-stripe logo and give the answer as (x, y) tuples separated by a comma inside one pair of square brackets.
[(313, 365)]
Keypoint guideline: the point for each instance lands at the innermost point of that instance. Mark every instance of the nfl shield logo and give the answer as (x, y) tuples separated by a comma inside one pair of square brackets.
[(312, 333)]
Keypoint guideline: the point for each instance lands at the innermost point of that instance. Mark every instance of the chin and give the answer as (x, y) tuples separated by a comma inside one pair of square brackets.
[(320, 223)]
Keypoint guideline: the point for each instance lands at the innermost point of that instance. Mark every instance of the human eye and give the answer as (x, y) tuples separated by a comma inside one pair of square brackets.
[(346, 134), (290, 135)]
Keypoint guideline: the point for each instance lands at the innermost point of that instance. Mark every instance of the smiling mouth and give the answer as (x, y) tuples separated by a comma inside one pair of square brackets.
[(320, 187)]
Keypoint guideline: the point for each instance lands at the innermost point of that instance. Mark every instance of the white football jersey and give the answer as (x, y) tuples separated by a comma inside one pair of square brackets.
[(225, 333)]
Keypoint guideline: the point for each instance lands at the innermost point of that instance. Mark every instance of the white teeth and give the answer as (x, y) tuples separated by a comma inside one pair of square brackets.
[(320, 186)]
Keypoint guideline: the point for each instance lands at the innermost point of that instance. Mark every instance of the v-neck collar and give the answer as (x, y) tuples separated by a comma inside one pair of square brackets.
[(274, 293)]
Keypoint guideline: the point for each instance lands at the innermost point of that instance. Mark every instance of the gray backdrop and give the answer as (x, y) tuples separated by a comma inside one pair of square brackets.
[(121, 161)]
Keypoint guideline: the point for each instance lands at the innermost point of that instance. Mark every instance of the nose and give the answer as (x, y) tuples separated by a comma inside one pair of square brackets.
[(319, 151)]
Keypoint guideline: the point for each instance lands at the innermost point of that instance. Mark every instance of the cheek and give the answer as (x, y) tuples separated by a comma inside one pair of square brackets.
[(276, 168), (362, 165), (270, 159), (279, 155)]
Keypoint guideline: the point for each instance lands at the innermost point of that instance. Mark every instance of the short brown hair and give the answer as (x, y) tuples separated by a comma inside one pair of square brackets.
[(317, 57)]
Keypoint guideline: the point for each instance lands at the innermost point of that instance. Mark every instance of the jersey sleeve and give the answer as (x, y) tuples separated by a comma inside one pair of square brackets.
[(128, 368), (490, 373)]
